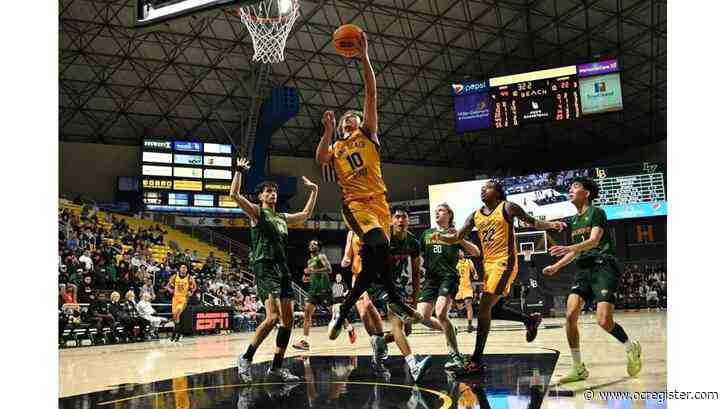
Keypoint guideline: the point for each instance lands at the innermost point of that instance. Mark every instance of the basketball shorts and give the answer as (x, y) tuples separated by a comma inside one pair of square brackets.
[(363, 215), (499, 276), (178, 305), (319, 297), (596, 280), (434, 287), (464, 292), (273, 278)]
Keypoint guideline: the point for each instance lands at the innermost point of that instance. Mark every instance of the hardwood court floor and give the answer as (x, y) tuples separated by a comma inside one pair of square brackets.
[(86, 370)]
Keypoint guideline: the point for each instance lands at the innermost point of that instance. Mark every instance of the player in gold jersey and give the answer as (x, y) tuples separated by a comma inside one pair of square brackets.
[(494, 221), (355, 157), (466, 271), (182, 285)]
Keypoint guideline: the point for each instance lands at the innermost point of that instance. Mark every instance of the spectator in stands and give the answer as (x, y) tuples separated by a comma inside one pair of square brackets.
[(141, 274), (63, 276), (100, 314), (211, 261), (194, 256), (125, 282), (147, 312), (653, 299), (135, 318), (251, 305), (69, 296), (136, 261), (86, 260), (72, 242), (148, 288), (118, 312), (162, 274), (86, 292), (101, 279), (77, 277)]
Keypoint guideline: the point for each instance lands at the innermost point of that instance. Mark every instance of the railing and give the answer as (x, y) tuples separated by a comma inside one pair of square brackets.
[(300, 294), (214, 300)]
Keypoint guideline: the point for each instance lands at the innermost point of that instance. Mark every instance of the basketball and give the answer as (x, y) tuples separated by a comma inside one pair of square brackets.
[(346, 38)]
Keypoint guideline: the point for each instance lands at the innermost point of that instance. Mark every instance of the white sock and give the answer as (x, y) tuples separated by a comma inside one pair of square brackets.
[(304, 338), (576, 356), (410, 360), (628, 345), (350, 328)]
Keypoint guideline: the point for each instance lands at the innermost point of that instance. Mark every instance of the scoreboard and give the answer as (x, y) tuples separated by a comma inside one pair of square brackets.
[(632, 191), (554, 99), (187, 177), (557, 94)]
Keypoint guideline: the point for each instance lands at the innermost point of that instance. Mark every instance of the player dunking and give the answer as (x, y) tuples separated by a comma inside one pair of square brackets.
[(319, 294), (597, 277), (494, 221), (183, 286), (466, 271), (441, 280), (271, 274), (356, 160)]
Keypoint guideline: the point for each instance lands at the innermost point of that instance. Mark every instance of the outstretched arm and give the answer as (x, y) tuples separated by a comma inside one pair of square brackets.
[(459, 235), (470, 248), (324, 150), (564, 261), (515, 210), (590, 243), (301, 217), (370, 109), (249, 208)]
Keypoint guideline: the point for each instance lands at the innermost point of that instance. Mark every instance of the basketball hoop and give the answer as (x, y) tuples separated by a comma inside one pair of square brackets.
[(527, 254), (269, 23)]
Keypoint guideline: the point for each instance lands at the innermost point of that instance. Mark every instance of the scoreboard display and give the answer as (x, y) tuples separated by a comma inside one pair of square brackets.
[(557, 94), (554, 99), (632, 191), (187, 177)]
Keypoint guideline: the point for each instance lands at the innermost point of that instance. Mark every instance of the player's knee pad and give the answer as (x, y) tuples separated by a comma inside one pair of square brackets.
[(283, 335)]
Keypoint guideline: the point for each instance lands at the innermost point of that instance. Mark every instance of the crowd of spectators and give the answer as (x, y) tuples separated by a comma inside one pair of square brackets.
[(643, 285), (94, 269), (558, 181)]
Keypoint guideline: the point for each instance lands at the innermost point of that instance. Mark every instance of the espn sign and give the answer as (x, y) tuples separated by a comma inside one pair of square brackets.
[(204, 321)]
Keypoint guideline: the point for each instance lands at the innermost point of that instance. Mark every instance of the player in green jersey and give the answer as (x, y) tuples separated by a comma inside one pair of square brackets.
[(441, 280), (597, 277), (403, 247), (319, 293), (269, 263)]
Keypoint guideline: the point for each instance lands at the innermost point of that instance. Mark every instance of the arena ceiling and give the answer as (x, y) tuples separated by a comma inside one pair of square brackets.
[(119, 84)]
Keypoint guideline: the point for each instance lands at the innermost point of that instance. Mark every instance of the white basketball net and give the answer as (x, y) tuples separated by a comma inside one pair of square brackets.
[(269, 23)]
